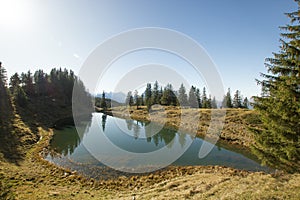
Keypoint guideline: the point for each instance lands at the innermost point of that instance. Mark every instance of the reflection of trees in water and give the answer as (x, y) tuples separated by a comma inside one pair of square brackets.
[(136, 130), (165, 135), (129, 123), (104, 117), (136, 126), (67, 140), (182, 138)]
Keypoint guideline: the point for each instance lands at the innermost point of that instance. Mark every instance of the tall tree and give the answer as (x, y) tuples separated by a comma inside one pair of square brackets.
[(246, 103), (214, 103), (193, 98), (198, 98), (227, 101), (148, 95), (14, 81), (27, 83), (209, 102), (137, 99), (3, 77), (155, 93), (169, 98), (182, 96), (129, 99), (237, 100), (278, 143), (205, 103), (103, 104)]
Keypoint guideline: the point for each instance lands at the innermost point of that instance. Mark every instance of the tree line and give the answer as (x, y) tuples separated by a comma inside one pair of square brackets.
[(56, 85), (167, 96)]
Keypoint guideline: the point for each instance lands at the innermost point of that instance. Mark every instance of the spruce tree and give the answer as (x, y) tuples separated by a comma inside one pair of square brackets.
[(155, 93), (278, 143), (214, 103), (137, 99), (182, 96), (103, 104), (205, 103), (193, 98), (129, 99), (227, 101), (198, 98), (148, 96), (237, 100), (246, 103)]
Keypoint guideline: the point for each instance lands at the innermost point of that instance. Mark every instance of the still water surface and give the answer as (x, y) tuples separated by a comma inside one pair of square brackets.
[(134, 136)]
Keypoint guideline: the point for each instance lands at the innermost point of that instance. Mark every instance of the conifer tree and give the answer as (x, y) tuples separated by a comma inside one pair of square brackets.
[(129, 99), (155, 94), (182, 96), (205, 103), (198, 98), (278, 143), (103, 104), (214, 103), (169, 98), (3, 77), (136, 99), (192, 98), (227, 101), (14, 81), (148, 96), (246, 103), (237, 100)]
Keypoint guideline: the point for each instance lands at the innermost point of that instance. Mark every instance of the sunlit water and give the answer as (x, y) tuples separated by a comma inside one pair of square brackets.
[(77, 150)]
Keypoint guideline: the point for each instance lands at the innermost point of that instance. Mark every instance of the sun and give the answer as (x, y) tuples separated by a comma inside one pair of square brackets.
[(14, 13)]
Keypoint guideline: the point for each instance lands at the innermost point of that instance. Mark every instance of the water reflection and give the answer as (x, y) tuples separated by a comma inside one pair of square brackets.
[(104, 117), (67, 140), (141, 137)]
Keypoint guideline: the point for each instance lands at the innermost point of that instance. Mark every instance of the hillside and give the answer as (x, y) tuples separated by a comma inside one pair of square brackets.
[(29, 176)]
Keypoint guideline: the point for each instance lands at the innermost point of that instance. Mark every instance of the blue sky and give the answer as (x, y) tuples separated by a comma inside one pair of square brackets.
[(237, 34)]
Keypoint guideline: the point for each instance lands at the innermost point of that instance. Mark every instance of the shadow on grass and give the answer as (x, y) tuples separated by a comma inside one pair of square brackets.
[(10, 142)]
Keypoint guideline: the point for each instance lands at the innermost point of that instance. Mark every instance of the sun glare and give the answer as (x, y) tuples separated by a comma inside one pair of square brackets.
[(14, 14)]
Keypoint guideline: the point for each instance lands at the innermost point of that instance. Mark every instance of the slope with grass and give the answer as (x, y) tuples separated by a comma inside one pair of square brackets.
[(26, 175), (236, 123)]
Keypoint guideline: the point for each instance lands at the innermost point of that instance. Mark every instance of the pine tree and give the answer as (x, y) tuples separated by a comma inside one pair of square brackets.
[(148, 96), (205, 103), (103, 104), (209, 102), (246, 103), (155, 94), (214, 103), (129, 99), (169, 98), (14, 81), (198, 98), (278, 143), (182, 96), (193, 98), (227, 101), (136, 99), (237, 100), (3, 77)]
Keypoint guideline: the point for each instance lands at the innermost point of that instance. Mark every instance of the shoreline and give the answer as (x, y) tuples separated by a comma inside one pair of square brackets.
[(37, 178), (235, 131)]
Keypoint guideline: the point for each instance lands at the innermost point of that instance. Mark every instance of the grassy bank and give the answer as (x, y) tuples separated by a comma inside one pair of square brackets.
[(196, 121), (29, 176)]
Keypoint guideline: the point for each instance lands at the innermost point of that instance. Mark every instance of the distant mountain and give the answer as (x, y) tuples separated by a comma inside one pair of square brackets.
[(118, 96)]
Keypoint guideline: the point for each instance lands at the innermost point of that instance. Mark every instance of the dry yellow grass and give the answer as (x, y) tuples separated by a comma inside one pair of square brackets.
[(196, 121), (35, 178)]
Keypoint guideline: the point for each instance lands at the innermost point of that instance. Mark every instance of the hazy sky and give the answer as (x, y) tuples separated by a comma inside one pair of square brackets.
[(237, 34)]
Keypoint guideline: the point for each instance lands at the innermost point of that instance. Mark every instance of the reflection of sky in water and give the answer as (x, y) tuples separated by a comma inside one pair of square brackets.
[(70, 144)]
